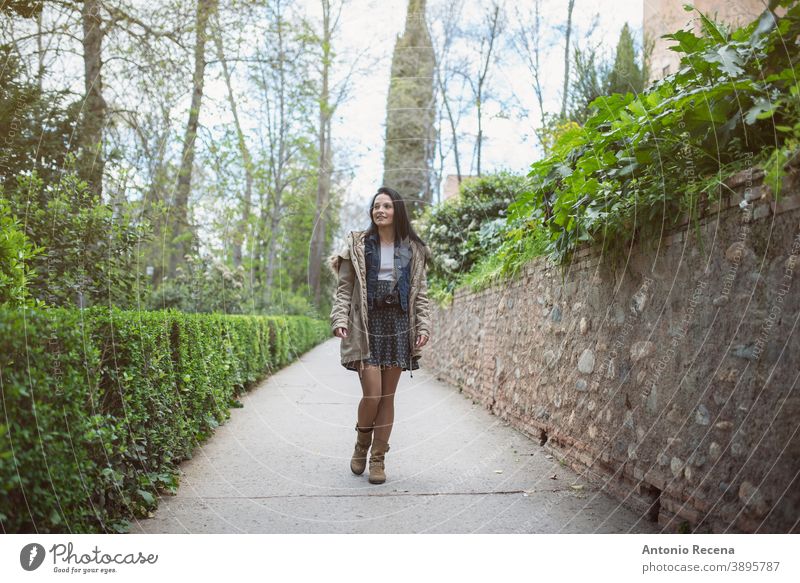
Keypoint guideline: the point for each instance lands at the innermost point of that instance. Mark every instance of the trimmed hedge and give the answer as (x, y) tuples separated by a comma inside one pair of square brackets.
[(100, 406)]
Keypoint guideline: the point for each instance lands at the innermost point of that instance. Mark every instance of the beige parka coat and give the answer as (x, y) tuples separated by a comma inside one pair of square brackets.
[(350, 303)]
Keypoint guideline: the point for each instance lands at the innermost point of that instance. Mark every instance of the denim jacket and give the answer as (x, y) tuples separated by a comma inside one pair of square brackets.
[(402, 265)]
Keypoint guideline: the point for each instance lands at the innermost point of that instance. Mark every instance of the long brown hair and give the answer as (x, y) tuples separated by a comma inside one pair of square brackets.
[(402, 225)]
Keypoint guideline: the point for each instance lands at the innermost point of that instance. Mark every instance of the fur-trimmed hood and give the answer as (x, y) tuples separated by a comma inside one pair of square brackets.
[(333, 263)]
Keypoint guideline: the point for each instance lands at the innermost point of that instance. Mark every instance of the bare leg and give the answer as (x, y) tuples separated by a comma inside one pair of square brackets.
[(385, 418), (371, 389)]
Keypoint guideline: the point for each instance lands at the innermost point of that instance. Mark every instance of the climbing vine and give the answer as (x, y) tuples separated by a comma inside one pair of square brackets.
[(642, 161)]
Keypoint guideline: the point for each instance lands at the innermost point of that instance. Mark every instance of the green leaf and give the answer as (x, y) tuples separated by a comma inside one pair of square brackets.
[(687, 42), (766, 23), (55, 517), (762, 109), (711, 29), (147, 497), (710, 112), (628, 169), (728, 59), (564, 171)]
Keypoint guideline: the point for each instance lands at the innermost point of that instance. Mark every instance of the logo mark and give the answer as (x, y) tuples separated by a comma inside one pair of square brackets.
[(31, 556)]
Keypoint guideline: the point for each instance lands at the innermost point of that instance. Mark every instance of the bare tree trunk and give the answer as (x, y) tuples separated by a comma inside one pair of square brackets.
[(240, 232), (480, 137), (278, 161), (40, 71), (325, 162), (527, 44), (537, 82), (272, 248), (40, 50), (566, 60), (493, 32), (444, 73), (182, 234), (258, 261), (452, 122), (91, 163)]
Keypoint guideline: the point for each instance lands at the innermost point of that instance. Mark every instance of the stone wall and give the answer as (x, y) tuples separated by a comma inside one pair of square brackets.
[(670, 380)]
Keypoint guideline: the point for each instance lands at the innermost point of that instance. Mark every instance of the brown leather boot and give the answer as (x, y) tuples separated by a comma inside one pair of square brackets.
[(359, 461), (376, 473)]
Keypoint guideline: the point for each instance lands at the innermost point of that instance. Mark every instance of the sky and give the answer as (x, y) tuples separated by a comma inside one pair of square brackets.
[(372, 26)]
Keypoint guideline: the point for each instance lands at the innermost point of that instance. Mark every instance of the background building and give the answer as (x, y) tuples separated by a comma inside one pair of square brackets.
[(666, 16)]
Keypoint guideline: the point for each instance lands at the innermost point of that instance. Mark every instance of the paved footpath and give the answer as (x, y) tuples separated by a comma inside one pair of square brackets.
[(281, 464)]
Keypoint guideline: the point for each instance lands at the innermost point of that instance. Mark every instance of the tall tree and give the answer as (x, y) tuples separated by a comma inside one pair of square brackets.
[(327, 107), (36, 125), (527, 42), (287, 130), (567, 33), (594, 76), (243, 226), (182, 234), (446, 71), (98, 19), (410, 112), (626, 75), (488, 41), (590, 82), (93, 118)]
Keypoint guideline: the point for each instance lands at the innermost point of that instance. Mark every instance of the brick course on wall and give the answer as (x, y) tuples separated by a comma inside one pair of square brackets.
[(669, 379)]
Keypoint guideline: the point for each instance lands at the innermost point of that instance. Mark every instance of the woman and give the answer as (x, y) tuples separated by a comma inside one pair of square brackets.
[(381, 314)]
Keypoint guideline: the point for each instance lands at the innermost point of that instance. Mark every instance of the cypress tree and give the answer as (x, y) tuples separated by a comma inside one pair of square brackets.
[(408, 153), (626, 75)]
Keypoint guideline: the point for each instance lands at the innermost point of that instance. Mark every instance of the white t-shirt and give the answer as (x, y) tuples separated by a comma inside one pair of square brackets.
[(386, 272)]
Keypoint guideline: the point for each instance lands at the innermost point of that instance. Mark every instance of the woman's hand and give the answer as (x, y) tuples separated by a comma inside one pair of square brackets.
[(340, 332), (421, 341)]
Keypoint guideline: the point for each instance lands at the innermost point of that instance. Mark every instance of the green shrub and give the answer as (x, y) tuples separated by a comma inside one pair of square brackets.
[(642, 161), (464, 230), (53, 446), (16, 253), (87, 253), (202, 285), (103, 404)]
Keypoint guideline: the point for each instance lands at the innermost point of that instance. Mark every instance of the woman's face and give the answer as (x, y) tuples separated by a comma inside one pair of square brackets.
[(383, 210)]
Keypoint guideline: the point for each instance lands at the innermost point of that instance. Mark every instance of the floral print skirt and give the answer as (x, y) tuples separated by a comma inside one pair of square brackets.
[(388, 336)]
